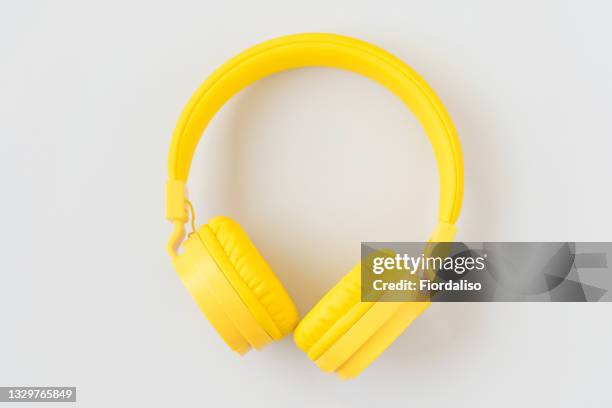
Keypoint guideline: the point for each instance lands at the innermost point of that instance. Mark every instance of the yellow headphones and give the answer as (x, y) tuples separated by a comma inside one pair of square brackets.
[(221, 268)]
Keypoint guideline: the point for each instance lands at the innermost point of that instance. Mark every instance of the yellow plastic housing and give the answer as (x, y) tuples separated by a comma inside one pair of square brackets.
[(247, 306), (217, 299)]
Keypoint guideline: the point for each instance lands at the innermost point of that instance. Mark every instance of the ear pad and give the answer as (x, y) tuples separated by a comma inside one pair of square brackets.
[(335, 313), (250, 276)]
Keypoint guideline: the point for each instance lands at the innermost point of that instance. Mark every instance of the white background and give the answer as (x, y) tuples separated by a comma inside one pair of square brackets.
[(310, 162)]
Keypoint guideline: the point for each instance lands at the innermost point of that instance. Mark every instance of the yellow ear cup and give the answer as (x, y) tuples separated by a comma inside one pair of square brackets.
[(217, 299), (344, 335), (369, 337), (250, 276)]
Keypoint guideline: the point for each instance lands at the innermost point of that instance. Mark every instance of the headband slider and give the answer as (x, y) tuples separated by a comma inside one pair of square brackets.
[(176, 201)]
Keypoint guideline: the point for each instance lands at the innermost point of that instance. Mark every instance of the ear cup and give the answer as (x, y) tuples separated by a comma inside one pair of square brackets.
[(344, 335), (332, 316), (250, 276)]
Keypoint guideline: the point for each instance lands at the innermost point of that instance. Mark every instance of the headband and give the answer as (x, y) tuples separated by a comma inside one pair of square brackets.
[(318, 50)]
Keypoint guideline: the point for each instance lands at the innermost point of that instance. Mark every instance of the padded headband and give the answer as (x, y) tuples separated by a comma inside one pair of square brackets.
[(320, 50)]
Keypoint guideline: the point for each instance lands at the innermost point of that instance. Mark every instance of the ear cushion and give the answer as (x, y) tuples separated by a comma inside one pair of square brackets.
[(332, 316), (250, 275)]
